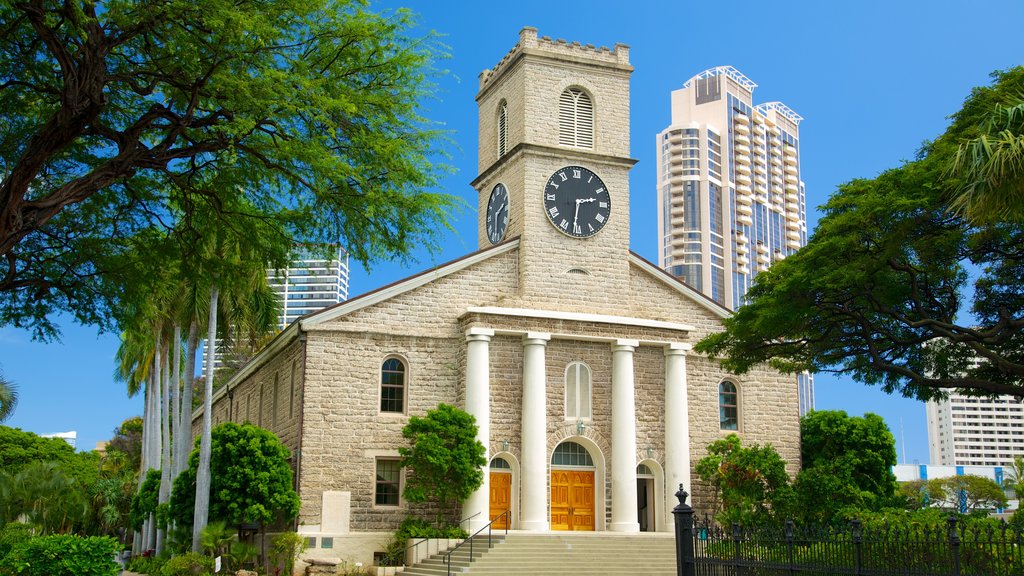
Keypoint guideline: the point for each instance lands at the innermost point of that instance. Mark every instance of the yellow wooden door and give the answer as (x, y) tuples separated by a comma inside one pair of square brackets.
[(572, 500), (501, 498)]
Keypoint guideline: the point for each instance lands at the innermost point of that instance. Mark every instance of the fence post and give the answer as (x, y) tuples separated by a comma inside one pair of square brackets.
[(855, 523), (736, 539), (789, 546), (683, 516), (954, 544)]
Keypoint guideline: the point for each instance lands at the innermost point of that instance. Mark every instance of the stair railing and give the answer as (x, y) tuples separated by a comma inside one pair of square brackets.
[(507, 515), (417, 544)]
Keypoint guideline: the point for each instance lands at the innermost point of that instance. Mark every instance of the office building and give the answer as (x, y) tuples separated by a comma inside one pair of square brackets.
[(970, 431), (730, 197)]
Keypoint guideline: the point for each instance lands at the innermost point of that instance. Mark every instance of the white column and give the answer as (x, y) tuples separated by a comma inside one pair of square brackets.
[(478, 399), (533, 458), (677, 428), (624, 513)]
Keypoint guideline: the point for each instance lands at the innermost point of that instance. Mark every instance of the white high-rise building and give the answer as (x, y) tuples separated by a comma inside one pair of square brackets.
[(970, 431), (730, 198), (312, 282)]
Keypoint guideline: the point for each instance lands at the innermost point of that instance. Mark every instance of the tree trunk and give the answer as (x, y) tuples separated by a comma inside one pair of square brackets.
[(186, 395), (165, 436), (202, 509), (176, 420), (160, 401)]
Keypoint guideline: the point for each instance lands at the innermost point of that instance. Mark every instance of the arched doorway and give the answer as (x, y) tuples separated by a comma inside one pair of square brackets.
[(645, 499), (572, 488), (501, 493)]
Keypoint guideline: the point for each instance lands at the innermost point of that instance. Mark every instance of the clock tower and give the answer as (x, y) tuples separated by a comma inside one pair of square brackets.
[(554, 171)]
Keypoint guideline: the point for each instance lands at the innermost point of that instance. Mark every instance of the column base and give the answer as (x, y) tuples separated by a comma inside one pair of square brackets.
[(534, 525), (624, 527)]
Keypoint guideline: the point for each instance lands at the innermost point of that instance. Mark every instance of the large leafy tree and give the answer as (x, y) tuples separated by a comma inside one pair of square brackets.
[(846, 463), (750, 483), (881, 289), (122, 117), (444, 458), (251, 479), (967, 493)]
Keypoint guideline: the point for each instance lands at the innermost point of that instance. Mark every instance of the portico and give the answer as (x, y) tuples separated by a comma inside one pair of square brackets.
[(538, 436)]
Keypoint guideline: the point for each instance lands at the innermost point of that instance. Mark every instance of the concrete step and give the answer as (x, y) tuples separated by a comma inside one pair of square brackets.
[(557, 554)]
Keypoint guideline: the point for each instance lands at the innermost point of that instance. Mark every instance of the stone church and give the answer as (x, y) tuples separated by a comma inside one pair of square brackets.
[(573, 353)]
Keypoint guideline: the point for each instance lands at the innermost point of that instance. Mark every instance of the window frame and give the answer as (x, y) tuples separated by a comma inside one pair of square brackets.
[(378, 483), (723, 407), (573, 118), (575, 414), (502, 128), (381, 385)]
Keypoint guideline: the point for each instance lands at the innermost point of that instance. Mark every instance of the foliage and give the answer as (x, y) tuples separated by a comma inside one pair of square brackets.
[(125, 118), (145, 501), (63, 555), (879, 290), (8, 397), (145, 564), (251, 480), (44, 496), (965, 493), (847, 463), (19, 448), (444, 458), (189, 564), (12, 534), (127, 440), (215, 538), (1015, 476), (285, 549), (750, 483)]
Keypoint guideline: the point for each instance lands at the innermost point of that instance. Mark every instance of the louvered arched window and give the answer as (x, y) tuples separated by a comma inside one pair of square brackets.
[(575, 119), (502, 128)]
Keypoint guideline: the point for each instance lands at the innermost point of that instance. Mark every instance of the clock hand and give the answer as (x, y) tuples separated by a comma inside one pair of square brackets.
[(576, 215)]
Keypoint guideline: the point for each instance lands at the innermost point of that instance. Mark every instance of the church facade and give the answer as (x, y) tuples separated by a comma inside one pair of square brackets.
[(573, 353)]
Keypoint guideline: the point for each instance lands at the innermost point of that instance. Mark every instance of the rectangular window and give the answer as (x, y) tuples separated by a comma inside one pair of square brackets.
[(389, 476)]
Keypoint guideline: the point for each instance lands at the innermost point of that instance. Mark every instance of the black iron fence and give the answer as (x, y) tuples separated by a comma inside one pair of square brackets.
[(950, 550)]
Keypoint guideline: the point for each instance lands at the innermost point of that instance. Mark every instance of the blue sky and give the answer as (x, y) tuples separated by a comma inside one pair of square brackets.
[(872, 79)]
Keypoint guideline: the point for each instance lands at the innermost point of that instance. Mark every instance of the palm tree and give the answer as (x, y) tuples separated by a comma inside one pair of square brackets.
[(992, 167), (8, 397)]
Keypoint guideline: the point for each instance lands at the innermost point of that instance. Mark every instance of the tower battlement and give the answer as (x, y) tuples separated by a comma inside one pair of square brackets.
[(529, 41)]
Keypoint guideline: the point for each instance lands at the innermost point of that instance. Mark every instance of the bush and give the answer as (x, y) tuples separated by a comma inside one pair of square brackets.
[(144, 564), (190, 564), (12, 535), (62, 555)]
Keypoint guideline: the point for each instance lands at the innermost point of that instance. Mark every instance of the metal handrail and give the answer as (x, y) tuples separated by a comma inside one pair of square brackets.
[(507, 514), (417, 544)]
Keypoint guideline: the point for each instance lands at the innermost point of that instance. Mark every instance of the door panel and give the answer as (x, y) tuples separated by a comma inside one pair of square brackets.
[(501, 497), (572, 500)]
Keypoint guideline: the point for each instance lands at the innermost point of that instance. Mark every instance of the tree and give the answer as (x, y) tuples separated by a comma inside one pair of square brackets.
[(8, 397), (443, 457), (126, 117), (127, 440), (1015, 477), (879, 290), (991, 166), (966, 494), (251, 479), (846, 463), (750, 483)]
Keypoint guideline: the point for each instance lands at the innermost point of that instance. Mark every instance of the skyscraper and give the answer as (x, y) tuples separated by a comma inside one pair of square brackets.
[(971, 431), (730, 198)]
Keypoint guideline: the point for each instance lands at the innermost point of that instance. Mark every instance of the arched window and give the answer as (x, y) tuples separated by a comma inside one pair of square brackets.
[(577, 391), (575, 119), (502, 128), (500, 464), (571, 454), (392, 386), (728, 406)]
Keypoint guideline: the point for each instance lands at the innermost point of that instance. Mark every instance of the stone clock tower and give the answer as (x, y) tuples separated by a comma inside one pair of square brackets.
[(554, 171)]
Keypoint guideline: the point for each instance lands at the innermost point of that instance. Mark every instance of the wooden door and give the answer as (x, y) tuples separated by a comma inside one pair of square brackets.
[(572, 500), (501, 498)]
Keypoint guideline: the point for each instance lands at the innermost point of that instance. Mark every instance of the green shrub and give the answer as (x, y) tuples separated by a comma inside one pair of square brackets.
[(13, 534), (144, 564), (62, 555), (190, 564)]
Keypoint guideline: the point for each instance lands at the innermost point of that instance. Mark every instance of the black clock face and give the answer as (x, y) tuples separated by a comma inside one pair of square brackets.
[(497, 214), (576, 202)]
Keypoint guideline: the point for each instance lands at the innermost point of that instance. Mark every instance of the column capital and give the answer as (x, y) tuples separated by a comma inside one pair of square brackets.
[(677, 348), (476, 333), (540, 338), (625, 345)]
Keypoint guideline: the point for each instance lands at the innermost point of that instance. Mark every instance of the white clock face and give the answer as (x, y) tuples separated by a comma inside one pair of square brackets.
[(576, 202), (496, 219)]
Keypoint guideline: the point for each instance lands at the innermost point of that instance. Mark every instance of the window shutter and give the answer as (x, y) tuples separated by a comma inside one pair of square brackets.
[(575, 119), (503, 129)]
